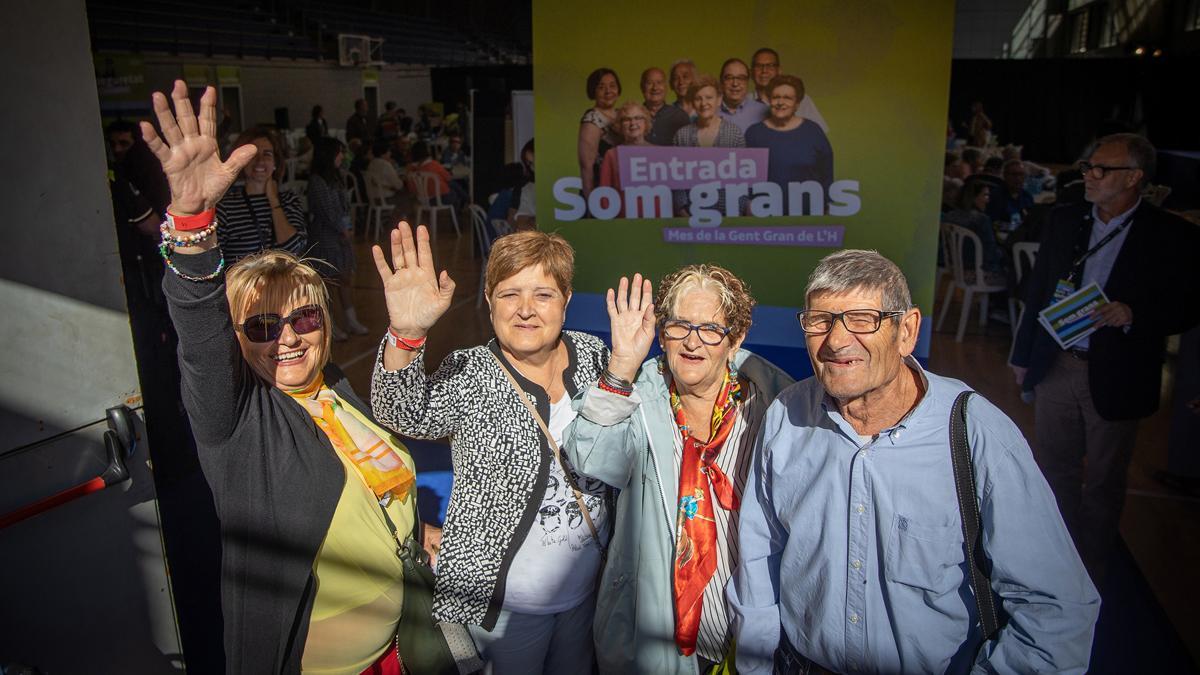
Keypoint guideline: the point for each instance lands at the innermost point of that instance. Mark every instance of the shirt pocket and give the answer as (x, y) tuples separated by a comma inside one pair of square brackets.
[(924, 556)]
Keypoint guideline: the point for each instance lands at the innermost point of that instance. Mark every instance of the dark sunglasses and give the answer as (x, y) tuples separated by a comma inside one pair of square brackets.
[(268, 327)]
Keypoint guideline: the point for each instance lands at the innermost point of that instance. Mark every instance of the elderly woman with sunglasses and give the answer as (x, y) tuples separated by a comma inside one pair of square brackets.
[(524, 534), (675, 435), (313, 496)]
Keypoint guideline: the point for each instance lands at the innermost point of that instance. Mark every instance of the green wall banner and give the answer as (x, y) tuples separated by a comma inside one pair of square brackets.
[(862, 169)]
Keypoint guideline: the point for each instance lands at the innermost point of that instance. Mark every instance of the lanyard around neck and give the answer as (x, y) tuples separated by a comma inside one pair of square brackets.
[(1077, 266)]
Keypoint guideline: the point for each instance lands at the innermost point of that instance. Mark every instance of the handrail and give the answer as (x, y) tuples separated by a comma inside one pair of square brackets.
[(50, 439), (120, 440)]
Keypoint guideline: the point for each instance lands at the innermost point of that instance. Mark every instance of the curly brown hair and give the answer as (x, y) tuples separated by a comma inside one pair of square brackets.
[(736, 302)]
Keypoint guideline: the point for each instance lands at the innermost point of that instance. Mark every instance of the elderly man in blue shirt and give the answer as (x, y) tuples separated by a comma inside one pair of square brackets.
[(852, 501)]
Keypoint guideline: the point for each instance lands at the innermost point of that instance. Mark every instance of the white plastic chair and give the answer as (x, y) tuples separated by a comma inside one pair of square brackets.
[(377, 204), (967, 276), (479, 221), (429, 199), (1024, 253)]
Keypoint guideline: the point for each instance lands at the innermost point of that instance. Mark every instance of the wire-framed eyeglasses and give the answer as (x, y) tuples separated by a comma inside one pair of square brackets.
[(860, 321), (710, 334)]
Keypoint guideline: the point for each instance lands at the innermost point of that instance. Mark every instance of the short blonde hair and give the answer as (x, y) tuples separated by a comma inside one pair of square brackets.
[(736, 302), (623, 112), (699, 83), (520, 250), (271, 280)]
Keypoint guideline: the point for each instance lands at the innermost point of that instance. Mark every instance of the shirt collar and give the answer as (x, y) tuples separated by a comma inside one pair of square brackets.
[(735, 110), (829, 405), (1117, 219)]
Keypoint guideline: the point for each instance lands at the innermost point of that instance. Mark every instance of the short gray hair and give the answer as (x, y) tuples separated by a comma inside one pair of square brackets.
[(1140, 150), (853, 269)]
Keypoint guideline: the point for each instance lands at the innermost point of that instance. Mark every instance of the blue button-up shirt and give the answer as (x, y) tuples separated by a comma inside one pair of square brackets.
[(1100, 264), (750, 112), (868, 537)]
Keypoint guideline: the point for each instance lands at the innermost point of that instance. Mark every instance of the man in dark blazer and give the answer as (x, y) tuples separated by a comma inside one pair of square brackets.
[(1089, 398)]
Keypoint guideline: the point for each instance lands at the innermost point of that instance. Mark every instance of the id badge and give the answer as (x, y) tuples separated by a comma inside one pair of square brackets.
[(1064, 288)]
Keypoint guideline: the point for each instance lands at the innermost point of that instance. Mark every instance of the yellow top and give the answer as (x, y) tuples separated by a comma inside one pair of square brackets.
[(360, 585)]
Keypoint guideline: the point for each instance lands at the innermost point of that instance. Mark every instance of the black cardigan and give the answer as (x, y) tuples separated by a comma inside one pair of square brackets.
[(275, 478)]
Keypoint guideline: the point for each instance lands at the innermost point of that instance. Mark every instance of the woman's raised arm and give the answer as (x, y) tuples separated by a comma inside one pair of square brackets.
[(210, 361), (189, 155)]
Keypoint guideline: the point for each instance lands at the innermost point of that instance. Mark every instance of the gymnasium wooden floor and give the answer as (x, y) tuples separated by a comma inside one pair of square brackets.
[(1160, 528)]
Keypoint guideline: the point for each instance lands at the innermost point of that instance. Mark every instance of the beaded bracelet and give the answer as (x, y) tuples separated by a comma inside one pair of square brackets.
[(611, 383), (176, 240), (605, 386), (167, 258)]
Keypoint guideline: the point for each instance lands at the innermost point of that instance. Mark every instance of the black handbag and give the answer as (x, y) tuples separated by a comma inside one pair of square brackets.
[(426, 646)]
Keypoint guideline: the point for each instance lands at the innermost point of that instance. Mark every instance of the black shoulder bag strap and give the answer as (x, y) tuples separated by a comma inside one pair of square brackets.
[(968, 507)]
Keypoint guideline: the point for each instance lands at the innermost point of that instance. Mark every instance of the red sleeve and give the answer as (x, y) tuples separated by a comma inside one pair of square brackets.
[(609, 174)]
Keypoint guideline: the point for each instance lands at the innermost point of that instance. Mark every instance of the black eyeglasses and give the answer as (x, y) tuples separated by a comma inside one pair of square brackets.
[(860, 321), (268, 327), (710, 334), (1099, 171)]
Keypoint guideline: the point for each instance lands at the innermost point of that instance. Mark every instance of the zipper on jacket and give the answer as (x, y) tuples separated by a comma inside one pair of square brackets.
[(662, 497)]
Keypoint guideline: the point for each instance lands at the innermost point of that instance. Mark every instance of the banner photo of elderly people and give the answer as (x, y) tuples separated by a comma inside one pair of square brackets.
[(754, 135)]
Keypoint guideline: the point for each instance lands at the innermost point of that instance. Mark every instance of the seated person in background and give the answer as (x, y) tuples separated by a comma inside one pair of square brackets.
[(973, 158), (632, 122), (1010, 204), (511, 177), (664, 119), (383, 170), (955, 167), (523, 213), (971, 214), (951, 190), (451, 193), (990, 175), (454, 155), (799, 149)]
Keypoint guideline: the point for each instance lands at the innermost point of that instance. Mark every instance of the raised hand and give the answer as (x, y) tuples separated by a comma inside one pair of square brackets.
[(631, 318), (416, 296), (188, 151)]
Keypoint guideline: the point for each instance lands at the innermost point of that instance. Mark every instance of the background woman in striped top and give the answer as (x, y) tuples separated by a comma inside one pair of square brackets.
[(255, 215)]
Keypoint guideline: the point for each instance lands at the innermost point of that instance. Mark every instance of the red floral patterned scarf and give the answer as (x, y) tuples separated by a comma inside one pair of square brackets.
[(700, 481)]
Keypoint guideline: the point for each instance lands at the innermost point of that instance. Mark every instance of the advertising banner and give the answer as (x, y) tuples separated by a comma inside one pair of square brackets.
[(121, 85), (759, 136)]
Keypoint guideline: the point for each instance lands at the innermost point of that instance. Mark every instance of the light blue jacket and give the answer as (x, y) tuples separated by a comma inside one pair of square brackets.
[(628, 442)]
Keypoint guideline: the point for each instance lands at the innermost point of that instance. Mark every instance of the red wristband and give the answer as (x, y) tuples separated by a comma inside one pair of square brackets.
[(187, 223), (407, 344)]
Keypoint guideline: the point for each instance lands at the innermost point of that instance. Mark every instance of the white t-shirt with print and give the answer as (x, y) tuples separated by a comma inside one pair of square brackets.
[(555, 568)]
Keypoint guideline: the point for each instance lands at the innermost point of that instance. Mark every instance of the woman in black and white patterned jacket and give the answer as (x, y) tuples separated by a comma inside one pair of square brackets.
[(519, 555)]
